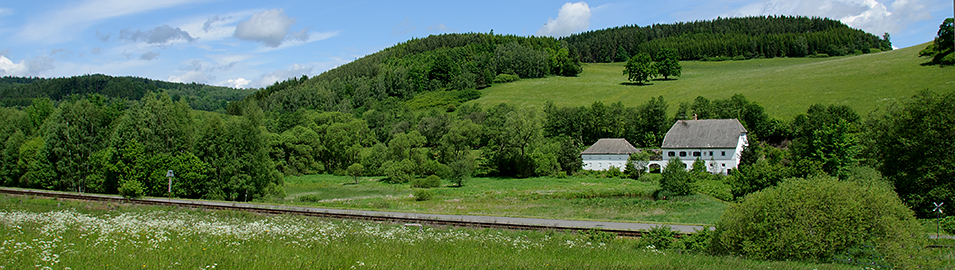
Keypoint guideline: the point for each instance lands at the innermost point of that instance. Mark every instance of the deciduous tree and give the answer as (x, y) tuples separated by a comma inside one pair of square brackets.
[(639, 68)]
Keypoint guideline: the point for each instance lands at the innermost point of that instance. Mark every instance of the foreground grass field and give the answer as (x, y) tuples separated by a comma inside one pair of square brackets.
[(580, 198), (50, 234), (784, 86)]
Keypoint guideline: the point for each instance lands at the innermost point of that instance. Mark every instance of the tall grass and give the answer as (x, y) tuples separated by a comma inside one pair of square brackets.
[(39, 235), (586, 198)]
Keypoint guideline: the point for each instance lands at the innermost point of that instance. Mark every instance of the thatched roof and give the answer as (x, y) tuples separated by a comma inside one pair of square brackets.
[(710, 133), (610, 147)]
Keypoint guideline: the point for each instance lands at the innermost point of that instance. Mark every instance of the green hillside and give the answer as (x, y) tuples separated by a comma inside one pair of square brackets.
[(784, 86)]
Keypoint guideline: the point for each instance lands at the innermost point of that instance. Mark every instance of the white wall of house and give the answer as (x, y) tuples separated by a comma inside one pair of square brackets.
[(718, 160), (603, 162)]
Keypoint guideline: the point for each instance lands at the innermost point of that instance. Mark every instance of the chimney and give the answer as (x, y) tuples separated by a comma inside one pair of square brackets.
[(694, 116)]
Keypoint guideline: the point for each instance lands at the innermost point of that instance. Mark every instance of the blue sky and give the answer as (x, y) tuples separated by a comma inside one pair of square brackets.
[(256, 43)]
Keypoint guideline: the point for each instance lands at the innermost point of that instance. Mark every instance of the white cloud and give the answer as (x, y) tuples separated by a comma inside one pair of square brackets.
[(148, 56), (60, 25), (25, 68), (572, 18), (236, 83), (269, 27), (196, 76), (295, 70), (873, 16), (160, 35), (296, 40), (208, 28)]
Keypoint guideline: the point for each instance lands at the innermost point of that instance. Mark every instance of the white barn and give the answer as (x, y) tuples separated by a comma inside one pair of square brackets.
[(718, 142), (607, 152)]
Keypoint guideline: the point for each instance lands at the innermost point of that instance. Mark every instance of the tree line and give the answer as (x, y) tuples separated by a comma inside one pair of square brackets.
[(439, 63), (20, 91), (748, 37)]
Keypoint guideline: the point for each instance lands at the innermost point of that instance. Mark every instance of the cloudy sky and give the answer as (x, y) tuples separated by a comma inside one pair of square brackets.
[(256, 43)]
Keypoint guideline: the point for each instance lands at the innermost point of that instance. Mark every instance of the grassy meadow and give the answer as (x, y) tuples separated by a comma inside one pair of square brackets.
[(579, 198), (62, 234), (784, 86)]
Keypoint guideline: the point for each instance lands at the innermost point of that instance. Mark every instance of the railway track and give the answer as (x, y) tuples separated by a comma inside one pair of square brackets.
[(411, 219)]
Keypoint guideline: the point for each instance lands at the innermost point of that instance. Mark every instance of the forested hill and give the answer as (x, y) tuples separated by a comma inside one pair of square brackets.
[(749, 37), (450, 65), (18, 91)]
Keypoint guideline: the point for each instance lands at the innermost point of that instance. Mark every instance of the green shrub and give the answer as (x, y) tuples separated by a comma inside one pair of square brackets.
[(595, 236), (875, 50), (660, 237), (309, 198), (432, 181), (468, 95), (676, 179), (613, 172), (819, 55), (131, 189), (423, 195), (816, 219), (716, 188), (506, 78), (948, 224), (697, 241)]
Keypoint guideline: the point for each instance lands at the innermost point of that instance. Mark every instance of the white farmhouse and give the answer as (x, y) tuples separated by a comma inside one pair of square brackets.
[(718, 142), (607, 152)]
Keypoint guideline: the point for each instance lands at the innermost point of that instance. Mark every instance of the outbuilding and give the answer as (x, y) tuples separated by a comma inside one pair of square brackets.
[(606, 153)]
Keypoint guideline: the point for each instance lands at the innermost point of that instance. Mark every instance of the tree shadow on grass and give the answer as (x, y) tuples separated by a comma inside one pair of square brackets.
[(636, 84), (663, 80)]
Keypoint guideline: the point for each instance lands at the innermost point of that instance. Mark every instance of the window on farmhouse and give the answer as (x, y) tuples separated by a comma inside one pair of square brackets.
[(672, 154), (724, 153), (711, 153), (696, 154), (682, 153)]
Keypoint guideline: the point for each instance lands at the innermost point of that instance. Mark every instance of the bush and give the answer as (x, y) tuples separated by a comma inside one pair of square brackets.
[(613, 172), (506, 78), (698, 241), (432, 181), (676, 179), (595, 236), (716, 188), (309, 198), (816, 219), (660, 237), (948, 224), (132, 189), (874, 50), (423, 195)]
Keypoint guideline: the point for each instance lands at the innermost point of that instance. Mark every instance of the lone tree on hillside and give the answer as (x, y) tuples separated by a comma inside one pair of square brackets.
[(355, 170), (639, 68), (669, 63)]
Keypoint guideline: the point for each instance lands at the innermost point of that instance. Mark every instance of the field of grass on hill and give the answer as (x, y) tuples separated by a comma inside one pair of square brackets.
[(784, 86), (581, 198)]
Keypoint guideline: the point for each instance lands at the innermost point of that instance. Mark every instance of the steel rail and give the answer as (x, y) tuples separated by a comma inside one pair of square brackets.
[(306, 211)]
